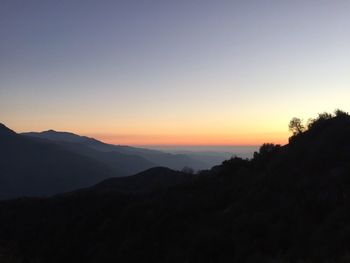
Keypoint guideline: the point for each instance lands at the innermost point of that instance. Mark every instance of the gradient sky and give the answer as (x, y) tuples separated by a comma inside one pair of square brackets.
[(172, 72)]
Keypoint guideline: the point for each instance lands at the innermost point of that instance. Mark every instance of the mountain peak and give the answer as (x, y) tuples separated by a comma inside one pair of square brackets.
[(50, 131), (4, 131), (58, 136)]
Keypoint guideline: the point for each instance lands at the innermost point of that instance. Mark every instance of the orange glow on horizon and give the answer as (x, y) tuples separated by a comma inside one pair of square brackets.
[(252, 131), (198, 140)]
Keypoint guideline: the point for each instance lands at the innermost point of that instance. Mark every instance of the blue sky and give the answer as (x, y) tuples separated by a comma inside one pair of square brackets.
[(172, 72)]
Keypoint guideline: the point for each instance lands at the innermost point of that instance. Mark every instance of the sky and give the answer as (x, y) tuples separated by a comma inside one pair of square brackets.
[(180, 72)]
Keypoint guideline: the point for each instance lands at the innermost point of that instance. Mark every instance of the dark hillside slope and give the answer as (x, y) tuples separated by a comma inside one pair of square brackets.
[(289, 204), (147, 181), (29, 167)]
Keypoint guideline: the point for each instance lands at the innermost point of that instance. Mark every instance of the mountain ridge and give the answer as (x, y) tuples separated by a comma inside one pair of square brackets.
[(155, 157), (59, 136), (5, 131), (31, 167)]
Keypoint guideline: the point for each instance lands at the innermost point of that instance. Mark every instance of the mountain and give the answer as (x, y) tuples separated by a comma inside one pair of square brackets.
[(144, 182), (6, 132), (122, 163), (289, 203), (146, 158), (31, 167), (61, 136)]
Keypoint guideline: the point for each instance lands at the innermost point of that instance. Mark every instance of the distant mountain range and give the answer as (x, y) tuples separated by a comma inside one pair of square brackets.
[(128, 159), (34, 167), (50, 162), (122, 164)]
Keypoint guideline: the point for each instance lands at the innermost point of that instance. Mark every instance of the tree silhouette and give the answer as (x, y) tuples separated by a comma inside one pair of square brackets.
[(296, 126), (321, 118), (340, 113)]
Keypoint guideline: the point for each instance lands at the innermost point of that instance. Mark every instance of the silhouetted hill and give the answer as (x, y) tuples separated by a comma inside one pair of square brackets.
[(6, 132), (60, 136), (147, 181), (288, 204), (139, 157), (30, 167)]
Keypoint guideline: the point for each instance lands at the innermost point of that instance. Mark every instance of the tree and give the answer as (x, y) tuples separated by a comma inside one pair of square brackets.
[(296, 126), (267, 148), (324, 116), (340, 113), (321, 118)]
